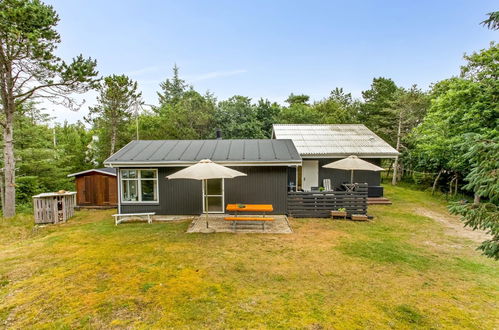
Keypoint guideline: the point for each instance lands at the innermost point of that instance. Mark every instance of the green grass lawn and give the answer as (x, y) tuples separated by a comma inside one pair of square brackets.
[(401, 270)]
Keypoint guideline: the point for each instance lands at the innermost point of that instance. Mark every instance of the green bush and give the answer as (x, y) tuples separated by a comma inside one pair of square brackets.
[(26, 188)]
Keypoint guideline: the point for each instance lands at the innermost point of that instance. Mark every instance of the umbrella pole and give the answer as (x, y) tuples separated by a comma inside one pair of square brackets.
[(206, 200), (351, 176)]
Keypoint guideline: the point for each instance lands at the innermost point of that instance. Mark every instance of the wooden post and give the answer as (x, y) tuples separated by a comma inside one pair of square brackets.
[(396, 163)]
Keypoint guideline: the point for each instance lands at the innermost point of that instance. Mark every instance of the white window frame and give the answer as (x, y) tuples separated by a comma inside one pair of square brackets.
[(139, 180), (204, 197)]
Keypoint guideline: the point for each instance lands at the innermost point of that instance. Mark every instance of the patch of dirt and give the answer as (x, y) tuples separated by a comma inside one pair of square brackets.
[(453, 225)]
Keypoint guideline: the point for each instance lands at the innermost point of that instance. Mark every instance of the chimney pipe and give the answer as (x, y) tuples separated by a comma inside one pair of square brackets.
[(219, 134)]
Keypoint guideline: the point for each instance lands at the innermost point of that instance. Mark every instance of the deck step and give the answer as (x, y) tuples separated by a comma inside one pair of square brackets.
[(378, 201)]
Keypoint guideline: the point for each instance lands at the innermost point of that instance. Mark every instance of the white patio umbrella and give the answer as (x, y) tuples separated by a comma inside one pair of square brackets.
[(352, 163), (204, 170)]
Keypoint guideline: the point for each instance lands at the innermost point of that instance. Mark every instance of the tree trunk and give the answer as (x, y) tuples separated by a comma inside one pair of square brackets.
[(113, 139), (451, 184), (9, 166), (396, 163), (476, 200), (436, 181), (9, 108), (2, 195), (395, 172)]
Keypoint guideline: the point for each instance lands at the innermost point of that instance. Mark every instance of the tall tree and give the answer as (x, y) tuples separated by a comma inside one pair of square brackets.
[(117, 95), (492, 22), (73, 144), (29, 68), (410, 107), (172, 89), (267, 114), (377, 110), (299, 111), (482, 152), (460, 106), (338, 108), (297, 99), (39, 164), (237, 118), (191, 117)]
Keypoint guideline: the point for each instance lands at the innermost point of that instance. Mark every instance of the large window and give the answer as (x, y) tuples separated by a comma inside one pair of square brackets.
[(139, 186)]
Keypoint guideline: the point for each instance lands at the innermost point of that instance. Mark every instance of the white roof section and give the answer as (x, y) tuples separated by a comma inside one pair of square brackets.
[(107, 171), (341, 140), (55, 194)]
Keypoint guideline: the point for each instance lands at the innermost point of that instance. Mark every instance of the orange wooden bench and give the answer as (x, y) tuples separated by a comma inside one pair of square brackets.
[(249, 208)]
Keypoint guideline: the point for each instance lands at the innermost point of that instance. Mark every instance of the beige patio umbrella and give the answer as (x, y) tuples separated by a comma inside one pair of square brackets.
[(204, 170), (352, 163)]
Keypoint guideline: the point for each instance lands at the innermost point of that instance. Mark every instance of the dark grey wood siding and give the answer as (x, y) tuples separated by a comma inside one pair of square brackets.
[(175, 196), (373, 179), (263, 184)]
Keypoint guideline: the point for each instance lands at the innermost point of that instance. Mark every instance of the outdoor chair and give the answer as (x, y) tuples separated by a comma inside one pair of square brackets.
[(327, 184)]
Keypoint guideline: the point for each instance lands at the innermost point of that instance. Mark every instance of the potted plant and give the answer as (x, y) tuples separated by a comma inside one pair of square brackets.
[(339, 213), (241, 206)]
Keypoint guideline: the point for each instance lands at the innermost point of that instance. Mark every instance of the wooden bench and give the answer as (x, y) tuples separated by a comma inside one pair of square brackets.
[(119, 218), (249, 208), (235, 220), (248, 219)]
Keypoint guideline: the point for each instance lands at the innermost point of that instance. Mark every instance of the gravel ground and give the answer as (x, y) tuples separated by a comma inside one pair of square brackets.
[(217, 224)]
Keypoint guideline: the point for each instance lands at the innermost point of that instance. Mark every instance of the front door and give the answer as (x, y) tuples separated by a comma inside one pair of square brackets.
[(213, 196), (310, 174)]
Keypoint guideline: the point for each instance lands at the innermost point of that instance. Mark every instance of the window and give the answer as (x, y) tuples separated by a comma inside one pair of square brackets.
[(213, 196), (140, 186)]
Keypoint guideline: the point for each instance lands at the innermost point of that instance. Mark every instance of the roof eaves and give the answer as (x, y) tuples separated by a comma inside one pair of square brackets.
[(188, 163)]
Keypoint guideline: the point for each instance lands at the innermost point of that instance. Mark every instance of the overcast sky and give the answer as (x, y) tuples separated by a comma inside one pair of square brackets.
[(270, 49)]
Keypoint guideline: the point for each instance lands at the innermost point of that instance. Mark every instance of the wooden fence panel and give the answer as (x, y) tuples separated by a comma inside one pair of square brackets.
[(319, 204), (53, 208)]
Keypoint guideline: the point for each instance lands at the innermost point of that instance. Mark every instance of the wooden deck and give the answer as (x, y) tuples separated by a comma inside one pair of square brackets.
[(318, 204)]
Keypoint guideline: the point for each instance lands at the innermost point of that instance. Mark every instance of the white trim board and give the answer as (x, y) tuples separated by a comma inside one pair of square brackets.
[(93, 170)]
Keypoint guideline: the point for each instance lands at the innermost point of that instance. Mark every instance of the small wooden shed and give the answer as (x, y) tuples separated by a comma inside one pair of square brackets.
[(54, 207), (96, 188)]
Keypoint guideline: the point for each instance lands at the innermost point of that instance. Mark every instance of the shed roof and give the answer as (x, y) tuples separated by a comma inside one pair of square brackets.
[(187, 152), (104, 170), (343, 140), (55, 194)]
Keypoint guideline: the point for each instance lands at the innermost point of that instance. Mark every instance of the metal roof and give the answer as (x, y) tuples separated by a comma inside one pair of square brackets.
[(186, 152), (334, 140), (104, 170), (54, 194)]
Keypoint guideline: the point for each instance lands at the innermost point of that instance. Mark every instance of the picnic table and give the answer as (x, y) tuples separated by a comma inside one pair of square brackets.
[(238, 208)]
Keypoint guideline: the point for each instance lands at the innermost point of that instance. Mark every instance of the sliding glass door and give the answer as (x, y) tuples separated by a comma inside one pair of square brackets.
[(213, 196)]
